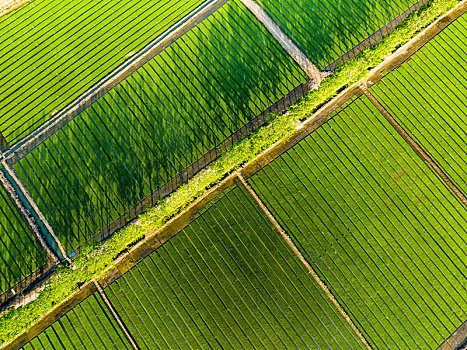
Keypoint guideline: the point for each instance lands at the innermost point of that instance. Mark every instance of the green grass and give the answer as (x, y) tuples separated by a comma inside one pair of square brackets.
[(89, 325), (228, 280), (326, 30), (52, 51), (20, 253), (427, 97), (168, 114), (95, 260), (384, 233)]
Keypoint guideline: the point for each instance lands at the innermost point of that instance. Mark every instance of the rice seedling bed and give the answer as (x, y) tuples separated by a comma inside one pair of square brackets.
[(169, 113), (326, 30), (228, 280), (52, 51), (376, 223)]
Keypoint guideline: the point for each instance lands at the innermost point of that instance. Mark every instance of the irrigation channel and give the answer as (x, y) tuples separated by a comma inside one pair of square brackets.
[(350, 236)]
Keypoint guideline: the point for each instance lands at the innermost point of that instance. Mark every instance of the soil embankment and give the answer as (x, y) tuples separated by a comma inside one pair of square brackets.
[(10, 5)]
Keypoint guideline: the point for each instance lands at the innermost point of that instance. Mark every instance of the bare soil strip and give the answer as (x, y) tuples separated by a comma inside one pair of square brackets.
[(10, 5)]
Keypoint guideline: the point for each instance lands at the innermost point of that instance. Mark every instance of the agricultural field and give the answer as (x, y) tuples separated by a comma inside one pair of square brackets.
[(20, 253), (89, 325), (384, 232), (427, 96), (174, 109), (326, 30), (228, 280), (367, 215), (51, 51), (380, 228)]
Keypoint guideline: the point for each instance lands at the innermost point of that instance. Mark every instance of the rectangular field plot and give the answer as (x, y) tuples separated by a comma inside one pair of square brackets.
[(157, 123), (20, 253), (228, 280), (51, 51), (326, 30), (89, 325), (427, 97), (384, 233)]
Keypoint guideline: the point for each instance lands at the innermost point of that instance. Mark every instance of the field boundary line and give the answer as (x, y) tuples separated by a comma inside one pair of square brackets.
[(21, 148), (305, 263), (156, 237), (287, 44), (115, 315), (457, 339), (412, 143)]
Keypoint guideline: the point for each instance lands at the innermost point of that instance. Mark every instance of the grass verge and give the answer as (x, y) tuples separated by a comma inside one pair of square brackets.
[(95, 260), (6, 6)]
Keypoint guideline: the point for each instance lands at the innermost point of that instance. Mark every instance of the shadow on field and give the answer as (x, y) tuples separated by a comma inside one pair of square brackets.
[(174, 109)]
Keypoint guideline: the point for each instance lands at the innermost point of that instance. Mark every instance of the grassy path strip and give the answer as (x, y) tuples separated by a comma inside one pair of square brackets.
[(156, 228)]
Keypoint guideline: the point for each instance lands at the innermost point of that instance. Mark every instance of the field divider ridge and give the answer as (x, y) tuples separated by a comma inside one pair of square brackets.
[(302, 259), (287, 44), (457, 340), (412, 143), (115, 315), (21, 148), (154, 238)]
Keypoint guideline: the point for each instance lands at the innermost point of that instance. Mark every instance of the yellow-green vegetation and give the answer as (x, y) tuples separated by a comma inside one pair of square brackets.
[(95, 260)]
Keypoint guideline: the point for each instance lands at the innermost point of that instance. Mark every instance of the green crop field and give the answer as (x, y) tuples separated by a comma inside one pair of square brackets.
[(228, 280), (326, 30), (169, 113), (51, 51), (380, 228), (20, 253), (427, 97), (90, 325)]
